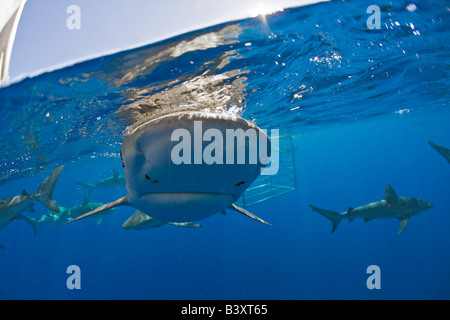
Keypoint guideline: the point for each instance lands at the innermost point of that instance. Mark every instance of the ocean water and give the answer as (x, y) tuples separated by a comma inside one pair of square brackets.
[(360, 105)]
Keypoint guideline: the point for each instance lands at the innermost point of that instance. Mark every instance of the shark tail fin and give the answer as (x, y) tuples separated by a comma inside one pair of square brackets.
[(87, 186), (45, 191), (333, 216), (118, 202), (246, 213)]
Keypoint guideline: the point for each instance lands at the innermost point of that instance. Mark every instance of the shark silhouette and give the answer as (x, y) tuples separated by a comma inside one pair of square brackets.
[(392, 206)]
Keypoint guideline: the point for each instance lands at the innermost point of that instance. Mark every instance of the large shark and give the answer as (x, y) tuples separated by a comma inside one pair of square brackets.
[(141, 221), (171, 191), (11, 208), (392, 206), (442, 150), (115, 181)]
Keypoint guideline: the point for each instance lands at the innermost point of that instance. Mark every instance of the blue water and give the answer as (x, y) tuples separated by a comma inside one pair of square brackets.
[(360, 105)]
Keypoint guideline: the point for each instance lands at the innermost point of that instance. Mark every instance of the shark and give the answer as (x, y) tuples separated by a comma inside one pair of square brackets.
[(115, 181), (170, 191), (442, 150), (392, 206), (12, 208), (67, 214), (86, 206), (141, 221)]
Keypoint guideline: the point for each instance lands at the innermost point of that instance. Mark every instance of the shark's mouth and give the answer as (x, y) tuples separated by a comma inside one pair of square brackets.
[(183, 206)]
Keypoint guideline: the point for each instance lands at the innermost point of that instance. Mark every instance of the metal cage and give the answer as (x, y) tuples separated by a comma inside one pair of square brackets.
[(266, 187)]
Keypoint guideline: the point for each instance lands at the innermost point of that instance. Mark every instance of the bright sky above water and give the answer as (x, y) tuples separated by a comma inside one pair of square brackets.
[(44, 42)]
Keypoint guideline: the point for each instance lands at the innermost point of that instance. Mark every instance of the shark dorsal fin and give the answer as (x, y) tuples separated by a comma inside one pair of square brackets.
[(115, 173), (390, 195), (24, 193), (86, 200)]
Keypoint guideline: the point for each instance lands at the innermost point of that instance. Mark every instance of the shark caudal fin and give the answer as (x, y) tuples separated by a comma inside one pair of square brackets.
[(333, 216), (45, 191), (246, 213), (119, 202), (89, 187)]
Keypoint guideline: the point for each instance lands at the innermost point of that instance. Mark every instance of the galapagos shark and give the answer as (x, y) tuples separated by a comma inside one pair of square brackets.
[(87, 206), (392, 206), (170, 191), (442, 150), (115, 181), (66, 214), (11, 208), (141, 221)]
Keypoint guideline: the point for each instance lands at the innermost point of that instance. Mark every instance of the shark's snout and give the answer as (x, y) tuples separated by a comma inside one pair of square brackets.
[(424, 205)]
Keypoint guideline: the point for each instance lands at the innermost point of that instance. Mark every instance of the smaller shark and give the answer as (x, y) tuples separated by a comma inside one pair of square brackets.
[(11, 208), (67, 214), (442, 150), (141, 221), (115, 181), (86, 206), (392, 206)]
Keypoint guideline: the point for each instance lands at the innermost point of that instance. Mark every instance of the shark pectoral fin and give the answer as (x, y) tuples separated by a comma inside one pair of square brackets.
[(119, 202), (367, 219), (442, 150), (246, 213), (403, 223), (30, 221)]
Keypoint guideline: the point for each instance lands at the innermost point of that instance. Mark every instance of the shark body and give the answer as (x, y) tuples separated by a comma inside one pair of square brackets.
[(11, 208), (115, 181), (392, 206)]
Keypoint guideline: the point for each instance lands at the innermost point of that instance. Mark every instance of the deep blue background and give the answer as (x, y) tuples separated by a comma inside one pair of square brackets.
[(350, 141), (232, 257)]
